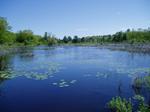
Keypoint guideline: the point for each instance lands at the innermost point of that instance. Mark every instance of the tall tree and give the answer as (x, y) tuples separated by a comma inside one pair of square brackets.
[(69, 38), (75, 39), (65, 39), (46, 36), (4, 29)]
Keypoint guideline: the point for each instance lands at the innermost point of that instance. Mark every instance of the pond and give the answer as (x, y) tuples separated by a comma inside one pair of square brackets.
[(69, 78)]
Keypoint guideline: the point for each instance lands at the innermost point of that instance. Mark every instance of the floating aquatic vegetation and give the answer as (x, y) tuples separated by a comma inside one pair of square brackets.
[(103, 75), (89, 61), (27, 55), (54, 83), (62, 83), (6, 74), (37, 76), (134, 72), (147, 81), (73, 81), (140, 83), (98, 75), (121, 70), (139, 71), (138, 97), (35, 70), (87, 75)]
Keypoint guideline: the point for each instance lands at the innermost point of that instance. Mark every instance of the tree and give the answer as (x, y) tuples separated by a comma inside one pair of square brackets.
[(69, 38), (83, 39), (75, 39), (128, 30), (4, 29), (25, 36), (45, 36), (65, 39), (52, 41)]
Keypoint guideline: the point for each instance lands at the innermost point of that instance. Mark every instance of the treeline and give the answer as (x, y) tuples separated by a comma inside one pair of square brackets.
[(27, 37), (22, 37), (129, 36)]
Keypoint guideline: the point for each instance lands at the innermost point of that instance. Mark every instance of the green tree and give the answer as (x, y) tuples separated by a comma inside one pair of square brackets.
[(25, 36), (65, 39), (75, 39), (46, 36), (69, 39), (4, 30)]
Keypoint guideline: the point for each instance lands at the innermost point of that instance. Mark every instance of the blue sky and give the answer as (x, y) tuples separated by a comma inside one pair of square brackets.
[(76, 17)]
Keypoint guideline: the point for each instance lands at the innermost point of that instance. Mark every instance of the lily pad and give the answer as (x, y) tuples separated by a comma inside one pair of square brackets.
[(63, 83)]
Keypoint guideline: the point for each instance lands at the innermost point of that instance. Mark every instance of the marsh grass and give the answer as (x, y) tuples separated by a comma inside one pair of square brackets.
[(117, 104)]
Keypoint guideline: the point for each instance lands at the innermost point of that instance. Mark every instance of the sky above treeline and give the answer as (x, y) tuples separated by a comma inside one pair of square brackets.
[(76, 17)]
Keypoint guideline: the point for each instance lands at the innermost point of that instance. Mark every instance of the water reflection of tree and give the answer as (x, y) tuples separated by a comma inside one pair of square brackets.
[(4, 63), (26, 52), (120, 88)]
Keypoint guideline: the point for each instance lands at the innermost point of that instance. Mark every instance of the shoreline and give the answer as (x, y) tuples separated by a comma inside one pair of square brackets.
[(139, 48)]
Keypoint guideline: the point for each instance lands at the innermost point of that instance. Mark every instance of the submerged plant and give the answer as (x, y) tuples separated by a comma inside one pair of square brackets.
[(139, 98), (141, 82), (147, 81), (142, 107), (138, 83), (118, 104)]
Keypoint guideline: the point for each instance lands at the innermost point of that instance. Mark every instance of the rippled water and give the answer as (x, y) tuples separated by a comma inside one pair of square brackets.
[(68, 79)]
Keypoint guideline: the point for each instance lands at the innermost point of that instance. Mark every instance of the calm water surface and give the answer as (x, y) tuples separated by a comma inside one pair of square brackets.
[(68, 79)]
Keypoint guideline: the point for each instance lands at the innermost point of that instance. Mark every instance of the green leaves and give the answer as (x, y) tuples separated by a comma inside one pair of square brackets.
[(140, 82), (118, 104)]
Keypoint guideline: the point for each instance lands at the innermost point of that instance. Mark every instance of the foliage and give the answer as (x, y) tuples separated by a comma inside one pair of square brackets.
[(129, 36), (140, 82), (27, 37), (23, 37), (76, 39), (147, 81), (142, 107), (5, 34), (49, 39), (120, 105)]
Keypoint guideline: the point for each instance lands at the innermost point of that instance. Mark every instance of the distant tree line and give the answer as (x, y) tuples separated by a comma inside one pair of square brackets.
[(23, 37), (27, 37), (129, 36)]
